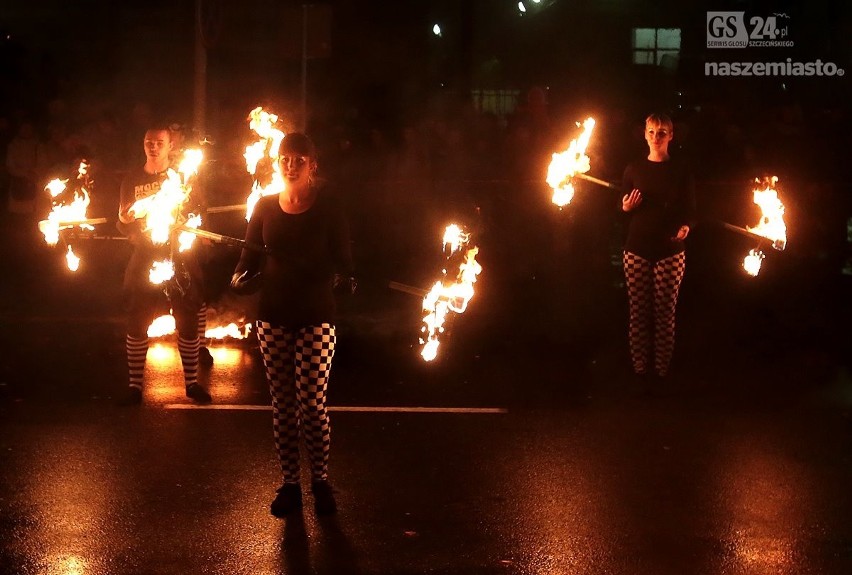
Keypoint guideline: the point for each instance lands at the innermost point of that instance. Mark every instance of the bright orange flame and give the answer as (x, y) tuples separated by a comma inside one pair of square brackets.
[(232, 330), (753, 261), (72, 260), (771, 225), (449, 295), (263, 124), (163, 325), (161, 271), (454, 237), (564, 165), (186, 239), (63, 213), (162, 210)]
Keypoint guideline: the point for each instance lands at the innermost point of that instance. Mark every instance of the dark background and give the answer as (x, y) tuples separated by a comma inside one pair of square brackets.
[(406, 136)]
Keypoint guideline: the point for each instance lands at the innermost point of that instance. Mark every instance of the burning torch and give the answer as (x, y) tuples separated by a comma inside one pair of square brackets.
[(68, 211), (564, 166), (262, 158), (451, 294), (770, 228)]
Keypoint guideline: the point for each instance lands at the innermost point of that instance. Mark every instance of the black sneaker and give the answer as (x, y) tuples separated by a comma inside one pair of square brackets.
[(205, 358), (288, 500), (131, 396), (324, 502), (198, 393)]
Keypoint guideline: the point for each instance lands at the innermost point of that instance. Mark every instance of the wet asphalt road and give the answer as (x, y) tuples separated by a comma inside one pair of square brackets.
[(742, 464)]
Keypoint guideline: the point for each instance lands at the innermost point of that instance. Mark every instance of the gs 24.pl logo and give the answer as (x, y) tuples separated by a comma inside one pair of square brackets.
[(734, 30)]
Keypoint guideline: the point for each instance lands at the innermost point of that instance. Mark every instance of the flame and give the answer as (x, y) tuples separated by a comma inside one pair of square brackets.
[(753, 261), (62, 211), (564, 165), (161, 271), (186, 239), (162, 209), (449, 295), (454, 237), (72, 260), (162, 212), (771, 224), (163, 325), (263, 124), (231, 330)]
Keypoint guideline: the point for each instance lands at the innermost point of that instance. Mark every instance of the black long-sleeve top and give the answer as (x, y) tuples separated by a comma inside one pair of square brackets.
[(668, 202), (305, 252)]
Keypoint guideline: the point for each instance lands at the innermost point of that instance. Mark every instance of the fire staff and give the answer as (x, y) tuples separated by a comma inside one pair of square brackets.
[(145, 301), (660, 205), (307, 237)]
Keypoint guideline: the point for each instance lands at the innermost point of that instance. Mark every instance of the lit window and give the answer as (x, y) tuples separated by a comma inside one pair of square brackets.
[(656, 46), (497, 102)]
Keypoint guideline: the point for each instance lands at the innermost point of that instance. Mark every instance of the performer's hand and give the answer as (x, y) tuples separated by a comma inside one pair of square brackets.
[(682, 232), (137, 212), (244, 284), (632, 200), (344, 285)]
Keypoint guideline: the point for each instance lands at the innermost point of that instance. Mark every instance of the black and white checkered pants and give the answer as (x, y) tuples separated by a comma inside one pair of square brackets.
[(298, 364), (652, 290)]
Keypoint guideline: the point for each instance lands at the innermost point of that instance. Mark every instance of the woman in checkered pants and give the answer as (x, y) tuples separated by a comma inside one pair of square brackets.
[(660, 205), (308, 252)]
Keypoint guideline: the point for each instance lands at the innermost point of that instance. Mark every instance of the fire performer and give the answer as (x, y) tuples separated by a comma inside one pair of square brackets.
[(307, 238), (145, 301), (661, 205)]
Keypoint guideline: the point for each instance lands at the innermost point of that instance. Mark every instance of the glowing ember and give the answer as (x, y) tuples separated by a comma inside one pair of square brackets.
[(753, 261), (449, 295), (771, 225), (262, 158), (72, 260), (564, 165), (163, 325)]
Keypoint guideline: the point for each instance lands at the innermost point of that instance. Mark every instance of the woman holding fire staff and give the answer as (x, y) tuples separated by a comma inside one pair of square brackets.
[(144, 300), (308, 256), (661, 205)]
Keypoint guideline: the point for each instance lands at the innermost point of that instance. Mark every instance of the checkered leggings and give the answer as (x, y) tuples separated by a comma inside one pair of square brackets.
[(652, 289), (298, 364)]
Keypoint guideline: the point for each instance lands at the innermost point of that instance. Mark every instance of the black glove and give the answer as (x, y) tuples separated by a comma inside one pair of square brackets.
[(344, 285), (244, 284)]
